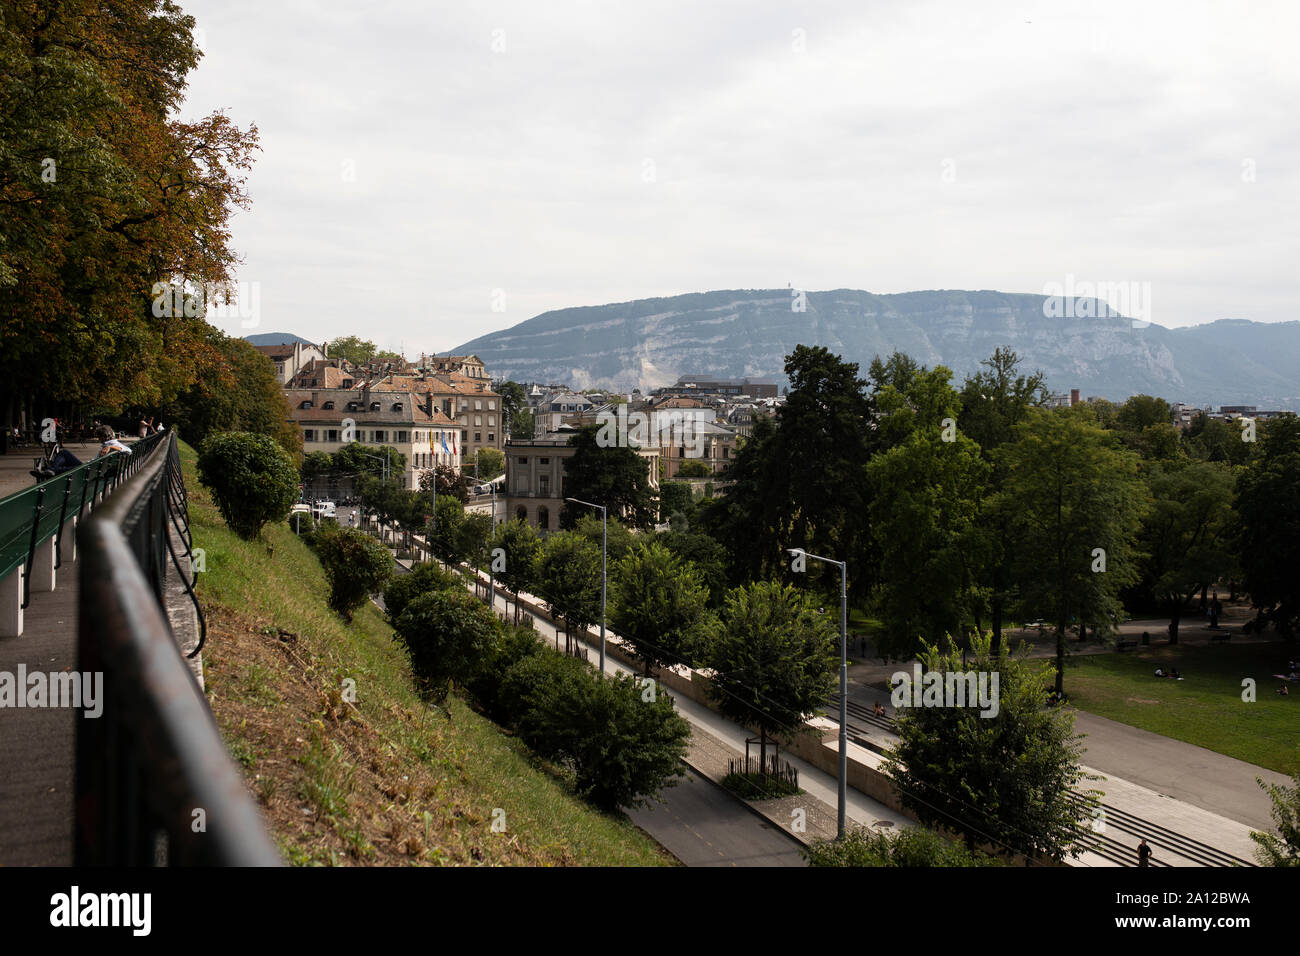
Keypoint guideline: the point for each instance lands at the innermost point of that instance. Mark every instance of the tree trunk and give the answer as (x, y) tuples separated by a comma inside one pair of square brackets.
[(997, 625), (1174, 618), (1060, 656), (762, 755)]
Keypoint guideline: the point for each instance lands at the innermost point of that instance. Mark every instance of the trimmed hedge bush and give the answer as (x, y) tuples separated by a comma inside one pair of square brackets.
[(252, 479), (446, 634), (356, 566), (404, 588), (914, 846)]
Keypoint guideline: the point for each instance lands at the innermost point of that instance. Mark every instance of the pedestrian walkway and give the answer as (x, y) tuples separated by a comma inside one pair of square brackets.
[(715, 740), (16, 466), (37, 745), (1185, 833)]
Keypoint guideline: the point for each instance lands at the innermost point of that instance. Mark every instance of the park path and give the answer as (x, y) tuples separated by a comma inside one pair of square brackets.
[(37, 745)]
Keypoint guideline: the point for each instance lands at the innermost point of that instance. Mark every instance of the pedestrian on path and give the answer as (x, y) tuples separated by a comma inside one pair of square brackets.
[(1144, 853)]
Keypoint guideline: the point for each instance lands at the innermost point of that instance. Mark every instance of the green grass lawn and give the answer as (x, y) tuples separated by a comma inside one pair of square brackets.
[(1206, 708), (391, 780)]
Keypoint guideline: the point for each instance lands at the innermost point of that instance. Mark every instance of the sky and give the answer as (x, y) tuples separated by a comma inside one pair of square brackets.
[(434, 171)]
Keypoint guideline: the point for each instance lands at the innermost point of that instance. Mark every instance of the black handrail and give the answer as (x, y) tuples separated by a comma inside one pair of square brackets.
[(154, 782)]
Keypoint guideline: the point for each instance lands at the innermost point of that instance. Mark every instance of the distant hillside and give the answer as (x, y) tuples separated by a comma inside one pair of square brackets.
[(274, 338), (739, 333)]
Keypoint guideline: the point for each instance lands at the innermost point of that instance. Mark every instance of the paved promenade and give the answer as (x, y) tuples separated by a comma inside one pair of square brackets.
[(37, 745)]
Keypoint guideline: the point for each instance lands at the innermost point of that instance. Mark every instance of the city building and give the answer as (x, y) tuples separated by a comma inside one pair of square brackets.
[(290, 357), (332, 417), (534, 484)]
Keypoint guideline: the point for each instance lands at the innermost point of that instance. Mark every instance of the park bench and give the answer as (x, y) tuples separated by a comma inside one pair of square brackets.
[(1123, 644), (1220, 636)]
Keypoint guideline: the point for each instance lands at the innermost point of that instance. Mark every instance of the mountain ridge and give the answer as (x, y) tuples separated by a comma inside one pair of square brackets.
[(738, 333)]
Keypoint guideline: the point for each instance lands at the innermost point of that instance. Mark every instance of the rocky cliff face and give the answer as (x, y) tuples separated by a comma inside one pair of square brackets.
[(735, 334)]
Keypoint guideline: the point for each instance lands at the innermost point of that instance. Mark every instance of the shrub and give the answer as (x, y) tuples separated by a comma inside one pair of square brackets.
[(510, 645), (445, 633), (620, 746), (356, 566), (527, 689), (912, 847), (425, 577), (252, 479)]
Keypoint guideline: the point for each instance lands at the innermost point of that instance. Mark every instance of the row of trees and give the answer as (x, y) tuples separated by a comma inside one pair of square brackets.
[(620, 741), (112, 213), (960, 508)]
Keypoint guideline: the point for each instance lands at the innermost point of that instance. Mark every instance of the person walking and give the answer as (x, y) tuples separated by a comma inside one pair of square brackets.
[(1144, 853)]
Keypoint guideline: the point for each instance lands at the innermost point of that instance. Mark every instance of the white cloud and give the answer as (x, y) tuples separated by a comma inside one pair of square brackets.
[(1104, 140)]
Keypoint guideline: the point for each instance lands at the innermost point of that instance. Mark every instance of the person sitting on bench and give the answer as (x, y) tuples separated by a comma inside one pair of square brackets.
[(61, 461)]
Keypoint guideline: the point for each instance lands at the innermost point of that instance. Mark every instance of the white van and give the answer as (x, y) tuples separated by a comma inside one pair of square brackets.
[(324, 509)]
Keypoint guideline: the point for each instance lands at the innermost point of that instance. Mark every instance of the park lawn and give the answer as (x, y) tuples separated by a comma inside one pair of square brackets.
[(386, 780), (1206, 708)]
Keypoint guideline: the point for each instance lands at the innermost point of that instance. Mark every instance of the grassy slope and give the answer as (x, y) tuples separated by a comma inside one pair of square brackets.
[(1205, 708), (386, 781)]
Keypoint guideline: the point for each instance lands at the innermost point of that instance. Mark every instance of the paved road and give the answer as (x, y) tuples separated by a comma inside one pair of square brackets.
[(1183, 771), (702, 825)]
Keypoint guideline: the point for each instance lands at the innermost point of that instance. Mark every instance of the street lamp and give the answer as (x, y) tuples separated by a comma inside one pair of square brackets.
[(384, 459), (844, 676), (604, 547)]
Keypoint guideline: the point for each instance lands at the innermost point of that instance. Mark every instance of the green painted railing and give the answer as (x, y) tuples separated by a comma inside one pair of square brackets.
[(30, 517)]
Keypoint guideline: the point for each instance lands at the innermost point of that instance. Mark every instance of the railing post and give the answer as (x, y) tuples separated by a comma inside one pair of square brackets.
[(31, 547), (63, 520)]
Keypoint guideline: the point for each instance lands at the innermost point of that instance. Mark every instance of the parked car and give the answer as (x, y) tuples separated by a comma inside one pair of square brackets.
[(324, 509)]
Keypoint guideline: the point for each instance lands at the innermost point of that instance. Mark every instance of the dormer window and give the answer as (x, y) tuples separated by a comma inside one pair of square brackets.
[(306, 403), (397, 406), (352, 406), (328, 405), (374, 406)]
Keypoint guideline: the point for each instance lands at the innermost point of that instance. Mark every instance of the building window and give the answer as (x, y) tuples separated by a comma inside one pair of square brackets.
[(464, 437), (381, 436), (402, 438), (308, 434), (492, 419), (478, 436), (543, 461), (544, 485), (478, 404), (544, 518), (329, 405), (492, 437), (333, 434), (478, 421), (521, 513), (492, 405), (523, 459)]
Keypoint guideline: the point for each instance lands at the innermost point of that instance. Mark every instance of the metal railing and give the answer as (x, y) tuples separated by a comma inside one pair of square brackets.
[(154, 783), (30, 517)]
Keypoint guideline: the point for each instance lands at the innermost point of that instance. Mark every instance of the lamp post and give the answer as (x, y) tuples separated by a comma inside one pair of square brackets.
[(604, 547), (844, 678)]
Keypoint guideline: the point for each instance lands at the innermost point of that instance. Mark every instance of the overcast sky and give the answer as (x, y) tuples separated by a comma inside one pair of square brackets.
[(426, 162)]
